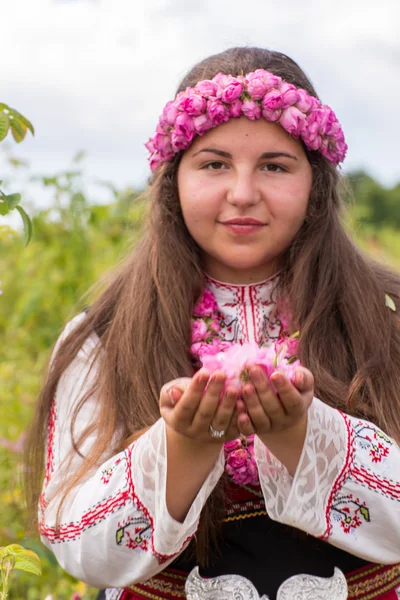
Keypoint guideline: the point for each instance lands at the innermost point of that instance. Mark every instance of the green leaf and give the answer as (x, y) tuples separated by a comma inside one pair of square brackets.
[(295, 335), (27, 224), (365, 513), (25, 560), (119, 535), (383, 436), (389, 303), (18, 130), (23, 120), (3, 208), (4, 125), (13, 200)]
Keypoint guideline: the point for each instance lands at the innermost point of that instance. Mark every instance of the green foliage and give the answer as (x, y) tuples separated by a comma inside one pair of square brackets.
[(12, 120), (376, 205), (77, 239), (18, 558)]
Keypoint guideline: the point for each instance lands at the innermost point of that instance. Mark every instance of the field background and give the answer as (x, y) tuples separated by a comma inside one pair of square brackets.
[(76, 240)]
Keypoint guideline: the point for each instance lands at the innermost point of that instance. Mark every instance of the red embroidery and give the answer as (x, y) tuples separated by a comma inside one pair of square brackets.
[(378, 445), (350, 512), (99, 512), (50, 444), (135, 532), (387, 487), (107, 473), (243, 316), (340, 479), (378, 452)]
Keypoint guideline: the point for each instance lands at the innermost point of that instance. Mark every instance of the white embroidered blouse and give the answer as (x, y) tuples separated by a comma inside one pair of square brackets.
[(115, 528)]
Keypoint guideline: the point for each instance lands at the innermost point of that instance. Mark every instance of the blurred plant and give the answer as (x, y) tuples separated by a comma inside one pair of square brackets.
[(86, 229), (16, 557), (12, 120)]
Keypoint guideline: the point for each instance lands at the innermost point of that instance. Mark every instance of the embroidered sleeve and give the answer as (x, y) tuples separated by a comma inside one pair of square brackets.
[(114, 528), (346, 488)]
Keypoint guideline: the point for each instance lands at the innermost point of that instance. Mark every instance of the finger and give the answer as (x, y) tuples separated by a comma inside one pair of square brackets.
[(245, 425), (225, 409), (259, 418), (232, 432), (269, 401), (186, 407), (291, 399), (207, 407), (304, 380)]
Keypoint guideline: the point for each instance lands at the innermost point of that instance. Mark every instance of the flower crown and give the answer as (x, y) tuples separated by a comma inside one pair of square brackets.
[(255, 95)]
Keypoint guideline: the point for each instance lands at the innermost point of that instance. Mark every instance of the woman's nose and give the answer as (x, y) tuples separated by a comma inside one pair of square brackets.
[(243, 189)]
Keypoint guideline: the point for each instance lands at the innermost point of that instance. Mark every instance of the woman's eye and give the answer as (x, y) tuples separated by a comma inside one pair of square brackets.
[(273, 168), (215, 165)]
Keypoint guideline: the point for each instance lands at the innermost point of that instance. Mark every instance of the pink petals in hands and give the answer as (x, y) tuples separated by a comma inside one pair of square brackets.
[(236, 360)]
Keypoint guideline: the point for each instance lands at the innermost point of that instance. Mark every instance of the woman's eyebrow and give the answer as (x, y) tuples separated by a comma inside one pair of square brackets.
[(214, 151), (277, 155), (263, 156)]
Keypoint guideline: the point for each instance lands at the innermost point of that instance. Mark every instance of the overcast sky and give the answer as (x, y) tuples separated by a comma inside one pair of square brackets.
[(95, 74)]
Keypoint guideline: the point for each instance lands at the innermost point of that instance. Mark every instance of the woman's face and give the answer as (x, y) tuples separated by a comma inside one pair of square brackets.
[(244, 188)]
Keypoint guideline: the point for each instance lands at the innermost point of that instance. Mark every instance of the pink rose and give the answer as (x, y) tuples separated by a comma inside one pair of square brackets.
[(206, 305), (169, 113), (163, 127), (202, 349), (231, 92), (293, 121), (199, 331), (305, 102), (271, 115), (238, 458), (202, 123), (207, 88), (260, 81), (162, 143), (232, 445), (235, 109), (214, 325), (313, 144), (217, 111), (289, 94), (150, 145), (229, 88), (251, 109), (242, 468), (184, 126), (155, 161), (193, 104), (273, 100), (179, 141)]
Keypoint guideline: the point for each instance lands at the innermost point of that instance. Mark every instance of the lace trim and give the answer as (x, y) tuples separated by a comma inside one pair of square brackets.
[(148, 483), (301, 500)]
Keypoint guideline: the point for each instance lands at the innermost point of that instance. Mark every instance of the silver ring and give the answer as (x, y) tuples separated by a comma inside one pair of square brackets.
[(215, 433)]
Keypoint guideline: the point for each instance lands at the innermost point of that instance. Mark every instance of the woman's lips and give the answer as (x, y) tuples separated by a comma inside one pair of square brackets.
[(243, 226)]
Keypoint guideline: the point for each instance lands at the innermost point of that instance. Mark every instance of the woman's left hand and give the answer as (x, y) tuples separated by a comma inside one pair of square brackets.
[(269, 413), (279, 419)]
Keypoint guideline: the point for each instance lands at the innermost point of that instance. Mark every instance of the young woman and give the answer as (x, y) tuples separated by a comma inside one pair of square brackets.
[(162, 481)]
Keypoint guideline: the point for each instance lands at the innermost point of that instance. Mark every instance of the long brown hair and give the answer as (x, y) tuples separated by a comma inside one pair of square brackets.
[(349, 339)]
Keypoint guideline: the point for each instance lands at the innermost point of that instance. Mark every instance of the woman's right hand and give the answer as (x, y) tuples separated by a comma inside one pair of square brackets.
[(190, 406)]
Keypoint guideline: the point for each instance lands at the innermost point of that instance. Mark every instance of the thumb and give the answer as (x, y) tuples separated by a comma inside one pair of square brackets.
[(174, 390)]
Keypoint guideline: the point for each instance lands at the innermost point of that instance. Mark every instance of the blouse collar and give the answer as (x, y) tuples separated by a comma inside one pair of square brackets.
[(226, 293)]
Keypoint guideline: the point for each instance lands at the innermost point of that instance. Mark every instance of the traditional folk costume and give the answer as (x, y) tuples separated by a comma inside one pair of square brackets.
[(330, 532)]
